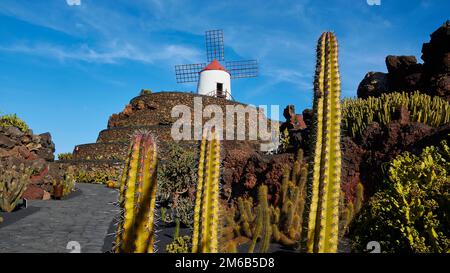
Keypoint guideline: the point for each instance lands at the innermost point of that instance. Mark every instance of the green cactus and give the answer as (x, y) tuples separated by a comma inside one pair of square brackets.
[(324, 186), (263, 228), (13, 183), (229, 221), (280, 222), (357, 114), (177, 228), (288, 215), (69, 181), (409, 212), (347, 217), (359, 197), (206, 211), (247, 216), (135, 232)]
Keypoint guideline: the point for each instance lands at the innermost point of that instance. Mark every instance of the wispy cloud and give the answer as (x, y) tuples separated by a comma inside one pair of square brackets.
[(115, 53), (280, 34), (73, 2)]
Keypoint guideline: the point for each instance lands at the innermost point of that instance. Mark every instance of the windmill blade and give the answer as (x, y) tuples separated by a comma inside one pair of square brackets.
[(214, 45), (242, 69), (188, 72)]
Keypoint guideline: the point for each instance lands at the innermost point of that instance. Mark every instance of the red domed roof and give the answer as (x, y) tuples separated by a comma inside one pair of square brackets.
[(214, 65)]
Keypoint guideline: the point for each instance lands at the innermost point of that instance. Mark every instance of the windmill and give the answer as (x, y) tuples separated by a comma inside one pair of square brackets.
[(214, 79)]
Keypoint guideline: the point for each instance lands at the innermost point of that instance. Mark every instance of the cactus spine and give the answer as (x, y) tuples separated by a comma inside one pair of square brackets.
[(324, 188), (206, 211), (135, 232)]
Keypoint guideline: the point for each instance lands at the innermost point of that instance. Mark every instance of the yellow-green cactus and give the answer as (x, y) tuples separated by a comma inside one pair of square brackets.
[(263, 225), (359, 197), (357, 114), (135, 233), (324, 186), (206, 211)]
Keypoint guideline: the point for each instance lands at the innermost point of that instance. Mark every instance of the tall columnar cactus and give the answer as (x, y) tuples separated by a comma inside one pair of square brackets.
[(324, 186), (246, 214), (359, 197), (135, 232), (263, 225), (292, 202), (206, 211)]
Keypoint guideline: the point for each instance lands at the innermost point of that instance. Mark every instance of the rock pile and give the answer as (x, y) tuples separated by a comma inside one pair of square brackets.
[(34, 151), (405, 74)]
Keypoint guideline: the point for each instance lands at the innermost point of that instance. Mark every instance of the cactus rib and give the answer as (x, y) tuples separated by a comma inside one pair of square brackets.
[(138, 197), (206, 211), (323, 218)]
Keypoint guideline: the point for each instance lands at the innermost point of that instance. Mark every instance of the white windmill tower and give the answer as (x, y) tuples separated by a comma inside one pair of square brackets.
[(214, 79)]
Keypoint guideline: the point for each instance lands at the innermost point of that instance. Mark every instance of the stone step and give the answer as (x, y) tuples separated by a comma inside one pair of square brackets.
[(101, 151), (124, 134), (162, 132), (116, 151)]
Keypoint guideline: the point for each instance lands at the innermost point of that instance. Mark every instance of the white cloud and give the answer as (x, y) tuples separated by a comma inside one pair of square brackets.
[(113, 53), (73, 2)]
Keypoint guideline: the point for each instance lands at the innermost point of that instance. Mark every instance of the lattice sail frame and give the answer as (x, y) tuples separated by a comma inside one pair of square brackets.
[(188, 72), (242, 69), (215, 48)]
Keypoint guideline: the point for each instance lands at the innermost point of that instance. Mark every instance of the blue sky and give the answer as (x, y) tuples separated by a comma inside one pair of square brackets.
[(66, 68)]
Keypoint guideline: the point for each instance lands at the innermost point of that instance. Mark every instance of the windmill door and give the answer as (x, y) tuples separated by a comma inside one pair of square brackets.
[(219, 90)]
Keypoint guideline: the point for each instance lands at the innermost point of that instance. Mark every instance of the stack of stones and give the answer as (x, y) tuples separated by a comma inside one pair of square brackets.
[(33, 151)]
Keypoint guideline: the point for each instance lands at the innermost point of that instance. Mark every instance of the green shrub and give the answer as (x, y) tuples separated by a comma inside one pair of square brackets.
[(145, 92), (411, 213), (284, 141), (357, 114), (69, 181), (12, 120), (96, 176), (65, 156), (176, 178)]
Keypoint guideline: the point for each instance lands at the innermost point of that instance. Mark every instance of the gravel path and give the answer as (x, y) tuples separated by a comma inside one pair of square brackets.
[(48, 226)]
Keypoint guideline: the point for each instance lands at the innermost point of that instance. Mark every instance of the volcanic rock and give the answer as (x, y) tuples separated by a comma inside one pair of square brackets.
[(6, 142), (34, 151), (405, 74), (373, 84), (260, 169)]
